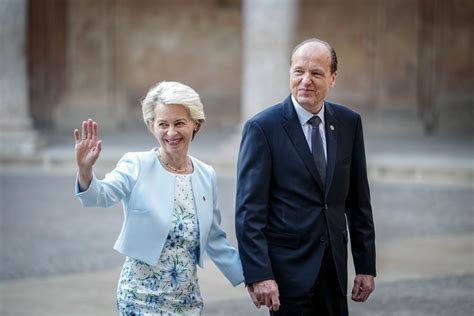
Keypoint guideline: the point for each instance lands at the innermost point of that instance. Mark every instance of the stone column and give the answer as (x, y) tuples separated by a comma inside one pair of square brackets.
[(268, 34), (17, 137), (268, 37)]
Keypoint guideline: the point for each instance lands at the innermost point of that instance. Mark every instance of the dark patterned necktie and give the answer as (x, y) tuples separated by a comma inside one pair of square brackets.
[(317, 147)]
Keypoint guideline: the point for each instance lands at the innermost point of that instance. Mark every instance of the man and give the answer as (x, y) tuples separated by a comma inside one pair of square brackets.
[(301, 182)]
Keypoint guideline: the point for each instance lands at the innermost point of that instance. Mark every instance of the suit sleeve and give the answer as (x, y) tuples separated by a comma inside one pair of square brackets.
[(114, 187), (252, 203), (359, 209), (218, 248)]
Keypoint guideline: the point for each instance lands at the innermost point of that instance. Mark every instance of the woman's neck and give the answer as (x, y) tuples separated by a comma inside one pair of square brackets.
[(175, 163)]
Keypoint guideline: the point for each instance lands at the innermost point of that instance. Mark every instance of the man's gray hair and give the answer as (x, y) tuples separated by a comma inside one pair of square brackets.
[(332, 52)]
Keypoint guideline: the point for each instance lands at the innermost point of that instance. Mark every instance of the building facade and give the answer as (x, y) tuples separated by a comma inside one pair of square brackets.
[(74, 59)]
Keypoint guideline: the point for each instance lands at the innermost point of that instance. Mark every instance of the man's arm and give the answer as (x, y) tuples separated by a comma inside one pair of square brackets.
[(253, 187), (361, 225)]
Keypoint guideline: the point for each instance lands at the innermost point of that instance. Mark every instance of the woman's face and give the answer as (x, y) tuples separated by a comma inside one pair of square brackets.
[(173, 128)]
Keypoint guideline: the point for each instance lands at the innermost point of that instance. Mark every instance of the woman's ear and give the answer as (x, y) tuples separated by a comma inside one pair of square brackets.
[(196, 128)]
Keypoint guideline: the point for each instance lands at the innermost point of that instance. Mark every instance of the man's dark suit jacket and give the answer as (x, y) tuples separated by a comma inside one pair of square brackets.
[(284, 215)]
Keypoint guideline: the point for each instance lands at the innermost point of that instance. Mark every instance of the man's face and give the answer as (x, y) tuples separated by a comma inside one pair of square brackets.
[(310, 76)]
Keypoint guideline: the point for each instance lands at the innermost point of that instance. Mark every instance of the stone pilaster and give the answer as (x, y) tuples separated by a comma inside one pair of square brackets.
[(17, 136), (268, 37), (268, 34)]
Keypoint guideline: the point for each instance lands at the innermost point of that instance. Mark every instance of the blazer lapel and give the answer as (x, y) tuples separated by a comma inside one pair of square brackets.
[(203, 201), (292, 126), (331, 130), (163, 188)]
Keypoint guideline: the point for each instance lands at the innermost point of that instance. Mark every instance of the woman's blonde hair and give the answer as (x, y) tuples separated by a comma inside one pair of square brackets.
[(170, 92)]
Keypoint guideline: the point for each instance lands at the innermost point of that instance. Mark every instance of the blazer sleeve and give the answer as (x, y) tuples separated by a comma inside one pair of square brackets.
[(252, 203), (218, 248), (114, 187), (359, 209)]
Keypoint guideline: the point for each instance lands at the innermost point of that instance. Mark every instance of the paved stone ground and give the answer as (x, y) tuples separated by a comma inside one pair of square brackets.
[(437, 296), (42, 222), (451, 296), (56, 257), (51, 246)]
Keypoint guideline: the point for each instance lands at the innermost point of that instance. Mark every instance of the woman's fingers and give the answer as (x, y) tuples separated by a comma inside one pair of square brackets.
[(84, 130), (95, 131), (89, 129), (77, 136)]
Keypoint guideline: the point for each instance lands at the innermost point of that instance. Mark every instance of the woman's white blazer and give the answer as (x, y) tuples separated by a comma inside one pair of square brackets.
[(147, 193)]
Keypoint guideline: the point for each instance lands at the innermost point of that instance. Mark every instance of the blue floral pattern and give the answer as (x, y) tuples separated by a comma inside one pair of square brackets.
[(171, 287)]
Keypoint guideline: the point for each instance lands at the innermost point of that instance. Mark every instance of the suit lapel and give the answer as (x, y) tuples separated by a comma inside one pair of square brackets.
[(331, 129), (292, 126)]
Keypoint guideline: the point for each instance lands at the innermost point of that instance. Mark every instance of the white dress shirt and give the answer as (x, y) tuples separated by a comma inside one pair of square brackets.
[(303, 117)]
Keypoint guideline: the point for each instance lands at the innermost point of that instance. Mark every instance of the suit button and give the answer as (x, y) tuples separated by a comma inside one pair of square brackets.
[(322, 239), (326, 206)]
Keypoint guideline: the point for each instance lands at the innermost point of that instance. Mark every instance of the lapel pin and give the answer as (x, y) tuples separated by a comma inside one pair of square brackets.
[(331, 127), (204, 198)]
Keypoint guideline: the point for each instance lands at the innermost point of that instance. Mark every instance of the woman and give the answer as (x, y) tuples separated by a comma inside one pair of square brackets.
[(170, 207)]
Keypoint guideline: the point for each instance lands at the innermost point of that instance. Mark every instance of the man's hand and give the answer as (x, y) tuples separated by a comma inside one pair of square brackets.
[(266, 293), (364, 284)]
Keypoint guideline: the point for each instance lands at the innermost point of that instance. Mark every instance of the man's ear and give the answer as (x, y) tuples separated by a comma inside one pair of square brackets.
[(333, 80)]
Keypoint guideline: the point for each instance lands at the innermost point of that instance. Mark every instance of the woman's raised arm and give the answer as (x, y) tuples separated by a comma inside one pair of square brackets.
[(88, 147)]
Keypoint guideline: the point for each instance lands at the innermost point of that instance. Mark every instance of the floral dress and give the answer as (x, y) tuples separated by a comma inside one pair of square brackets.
[(170, 287)]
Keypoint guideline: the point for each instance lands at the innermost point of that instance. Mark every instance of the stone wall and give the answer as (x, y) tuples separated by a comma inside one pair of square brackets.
[(377, 45), (117, 49)]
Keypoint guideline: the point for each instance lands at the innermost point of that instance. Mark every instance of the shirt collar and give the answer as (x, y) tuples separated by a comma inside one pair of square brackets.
[(303, 115)]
